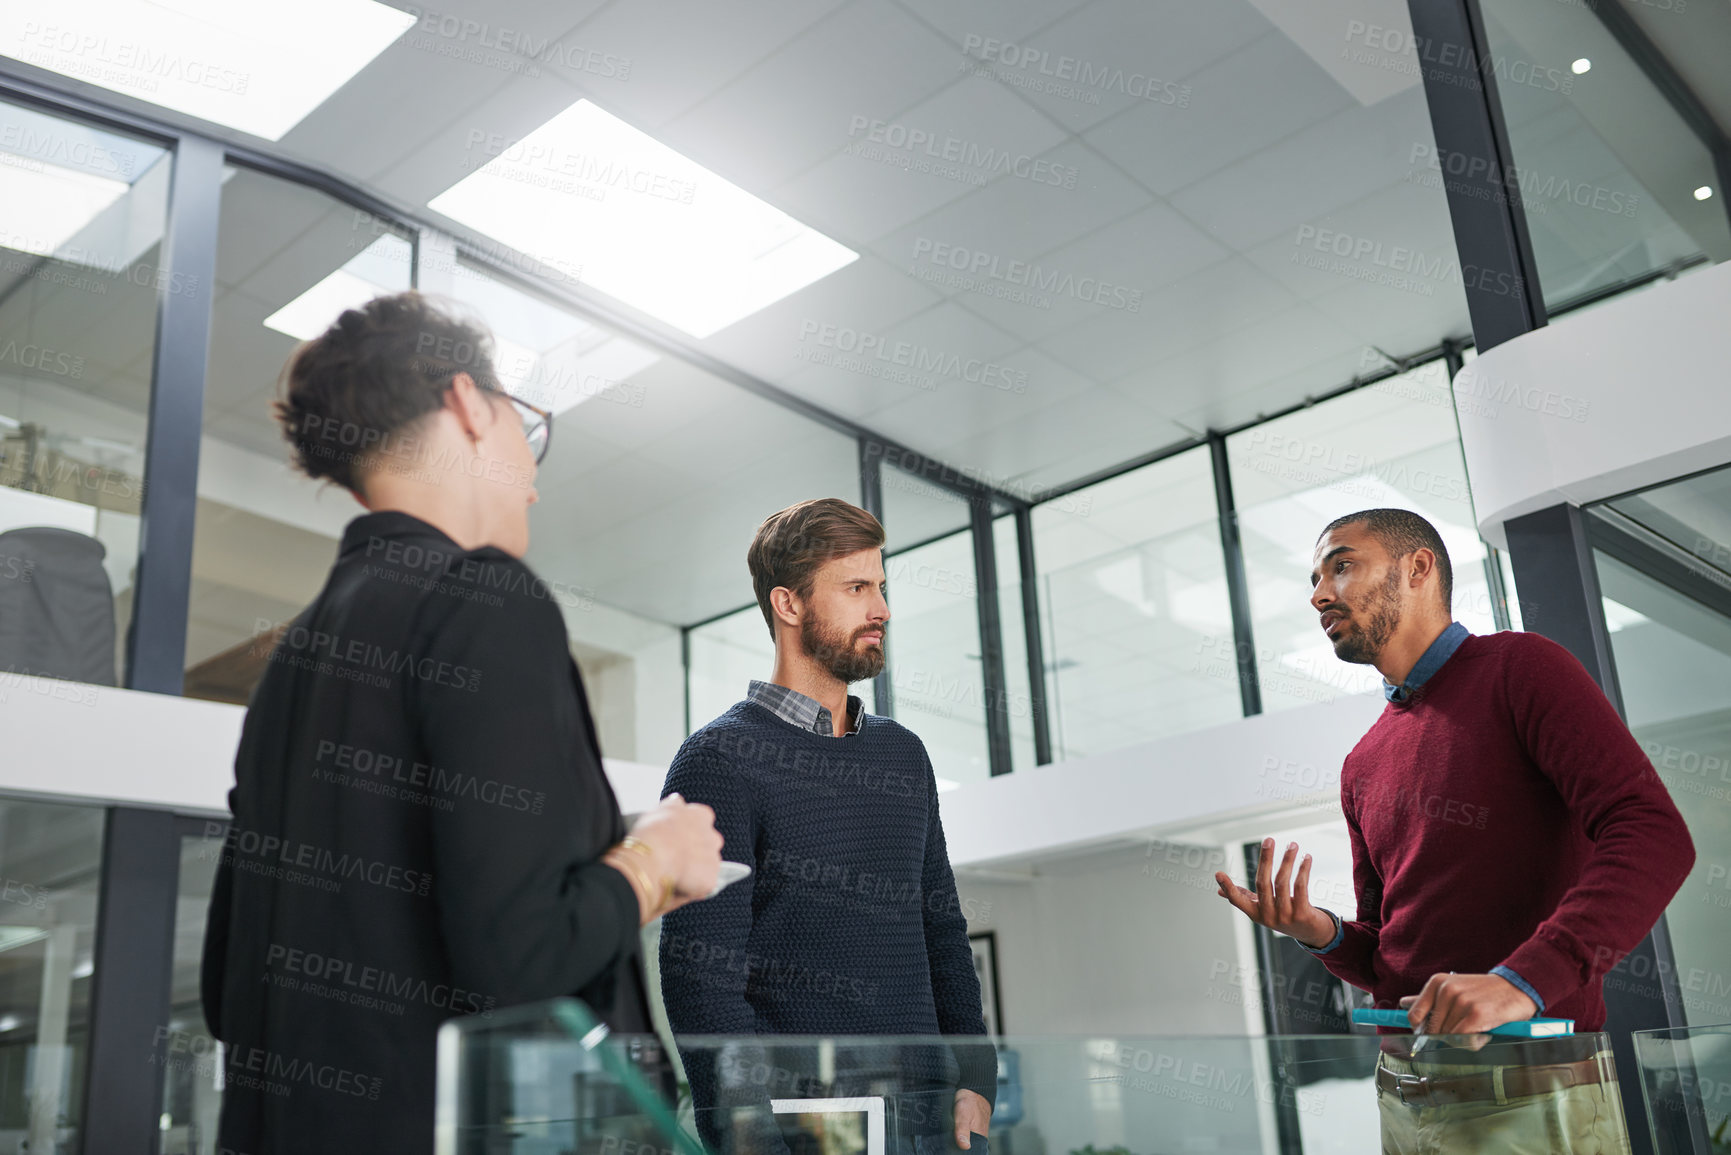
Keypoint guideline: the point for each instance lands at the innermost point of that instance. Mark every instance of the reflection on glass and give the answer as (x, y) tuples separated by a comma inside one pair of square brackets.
[(289, 261), (191, 1079), (935, 665), (1673, 657), (1392, 444), (550, 356), (1608, 171), (521, 1080), (49, 857), (79, 279), (726, 655), (1133, 588)]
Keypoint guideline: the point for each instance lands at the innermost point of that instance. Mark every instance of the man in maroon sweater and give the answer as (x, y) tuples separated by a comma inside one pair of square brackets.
[(1510, 842)]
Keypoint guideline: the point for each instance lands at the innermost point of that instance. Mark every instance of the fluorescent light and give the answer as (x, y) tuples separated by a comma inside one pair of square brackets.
[(9, 1022), (643, 223), (1581, 66), (249, 64), (1704, 192), (313, 311), (46, 205)]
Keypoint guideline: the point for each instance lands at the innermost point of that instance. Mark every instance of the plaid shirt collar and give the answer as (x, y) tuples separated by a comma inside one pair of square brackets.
[(793, 706)]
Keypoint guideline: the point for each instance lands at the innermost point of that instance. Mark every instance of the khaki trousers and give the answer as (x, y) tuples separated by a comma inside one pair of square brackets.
[(1576, 1121)]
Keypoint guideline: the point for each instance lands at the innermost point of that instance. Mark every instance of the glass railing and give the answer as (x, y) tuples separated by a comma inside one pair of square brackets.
[(547, 1080), (1686, 1088)]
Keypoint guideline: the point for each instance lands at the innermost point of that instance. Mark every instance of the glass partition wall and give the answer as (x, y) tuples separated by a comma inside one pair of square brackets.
[(80, 273), (1094, 316), (1663, 557)]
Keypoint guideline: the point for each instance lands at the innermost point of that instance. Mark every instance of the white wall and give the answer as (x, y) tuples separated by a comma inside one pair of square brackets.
[(1626, 394)]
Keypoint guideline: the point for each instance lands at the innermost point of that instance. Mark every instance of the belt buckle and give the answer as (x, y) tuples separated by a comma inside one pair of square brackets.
[(1402, 1082)]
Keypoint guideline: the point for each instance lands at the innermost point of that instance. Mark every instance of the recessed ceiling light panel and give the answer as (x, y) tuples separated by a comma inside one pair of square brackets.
[(255, 66), (644, 224)]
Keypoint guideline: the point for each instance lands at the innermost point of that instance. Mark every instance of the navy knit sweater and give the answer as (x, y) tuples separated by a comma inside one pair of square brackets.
[(850, 923)]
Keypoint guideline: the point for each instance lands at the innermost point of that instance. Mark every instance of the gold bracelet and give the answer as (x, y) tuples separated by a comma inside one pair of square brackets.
[(649, 888), (638, 845)]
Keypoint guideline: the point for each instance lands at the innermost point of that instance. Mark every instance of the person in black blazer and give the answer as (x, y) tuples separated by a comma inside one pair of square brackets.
[(422, 827)]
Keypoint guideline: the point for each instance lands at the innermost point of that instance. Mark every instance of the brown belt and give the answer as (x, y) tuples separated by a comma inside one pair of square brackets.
[(1498, 1085)]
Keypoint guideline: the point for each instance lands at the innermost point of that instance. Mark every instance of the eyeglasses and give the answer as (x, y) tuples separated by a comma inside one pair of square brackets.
[(537, 425)]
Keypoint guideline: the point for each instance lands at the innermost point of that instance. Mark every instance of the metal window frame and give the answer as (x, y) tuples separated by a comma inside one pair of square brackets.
[(130, 985), (1490, 235), (1504, 294)]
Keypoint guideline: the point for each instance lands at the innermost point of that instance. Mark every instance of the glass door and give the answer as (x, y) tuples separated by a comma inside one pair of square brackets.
[(1664, 563)]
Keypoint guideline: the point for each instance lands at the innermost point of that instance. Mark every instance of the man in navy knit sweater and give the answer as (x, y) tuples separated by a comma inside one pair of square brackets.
[(850, 923), (1510, 843)]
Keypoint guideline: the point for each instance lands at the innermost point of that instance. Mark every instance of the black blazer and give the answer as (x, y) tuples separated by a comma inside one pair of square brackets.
[(419, 813)]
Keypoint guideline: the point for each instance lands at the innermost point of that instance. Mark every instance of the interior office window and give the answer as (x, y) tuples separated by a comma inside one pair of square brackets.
[(657, 476), (1391, 444), (50, 857), (80, 279), (936, 671), (1614, 182), (191, 1079), (1673, 655), (725, 656), (289, 261), (1138, 640), (937, 679)]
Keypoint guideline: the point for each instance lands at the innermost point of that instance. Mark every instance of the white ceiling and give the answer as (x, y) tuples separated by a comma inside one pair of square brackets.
[(1204, 209)]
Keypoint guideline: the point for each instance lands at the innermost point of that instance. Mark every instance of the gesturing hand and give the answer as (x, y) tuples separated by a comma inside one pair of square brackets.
[(1280, 904)]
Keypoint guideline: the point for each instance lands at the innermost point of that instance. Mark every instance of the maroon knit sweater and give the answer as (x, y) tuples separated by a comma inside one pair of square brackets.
[(1505, 815)]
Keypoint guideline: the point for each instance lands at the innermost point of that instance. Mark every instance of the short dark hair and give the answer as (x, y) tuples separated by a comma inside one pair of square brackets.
[(1402, 532), (792, 545), (372, 376)]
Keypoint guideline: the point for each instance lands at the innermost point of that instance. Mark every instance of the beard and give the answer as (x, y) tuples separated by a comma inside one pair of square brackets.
[(1362, 645), (839, 653)]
